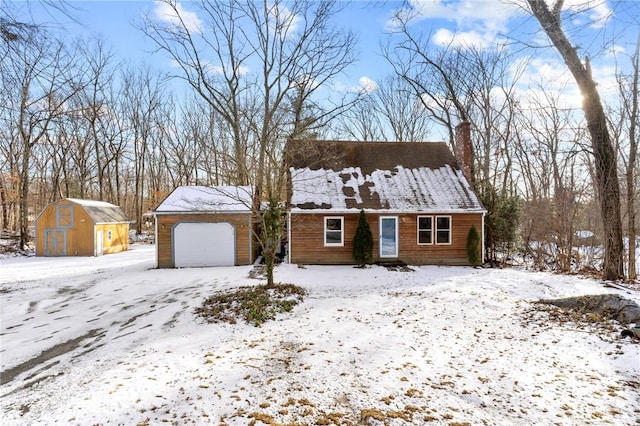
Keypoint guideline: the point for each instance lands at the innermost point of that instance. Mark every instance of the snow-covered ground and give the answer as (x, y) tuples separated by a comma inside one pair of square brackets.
[(111, 340)]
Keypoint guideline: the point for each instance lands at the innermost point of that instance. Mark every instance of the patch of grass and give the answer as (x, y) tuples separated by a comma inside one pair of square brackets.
[(254, 305)]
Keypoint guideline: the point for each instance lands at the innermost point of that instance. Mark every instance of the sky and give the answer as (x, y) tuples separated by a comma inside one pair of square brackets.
[(113, 340), (607, 27)]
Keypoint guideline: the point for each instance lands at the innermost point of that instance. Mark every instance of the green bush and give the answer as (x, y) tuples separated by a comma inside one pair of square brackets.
[(254, 305), (362, 251), (473, 246)]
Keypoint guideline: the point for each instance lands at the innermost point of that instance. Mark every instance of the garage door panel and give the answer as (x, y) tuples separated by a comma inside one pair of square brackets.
[(197, 244)]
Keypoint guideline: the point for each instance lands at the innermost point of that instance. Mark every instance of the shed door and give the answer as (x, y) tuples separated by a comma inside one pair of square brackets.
[(99, 243), (203, 244), (55, 242)]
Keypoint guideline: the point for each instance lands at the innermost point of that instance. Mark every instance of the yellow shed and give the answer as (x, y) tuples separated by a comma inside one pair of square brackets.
[(74, 227)]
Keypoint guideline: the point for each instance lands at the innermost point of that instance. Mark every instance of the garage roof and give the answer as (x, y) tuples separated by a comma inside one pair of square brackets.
[(206, 199)]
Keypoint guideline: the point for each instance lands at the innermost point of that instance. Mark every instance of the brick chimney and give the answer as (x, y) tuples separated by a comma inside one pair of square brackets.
[(464, 154)]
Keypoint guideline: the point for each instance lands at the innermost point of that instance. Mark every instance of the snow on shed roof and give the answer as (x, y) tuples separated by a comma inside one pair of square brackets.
[(101, 211), (392, 176), (207, 199)]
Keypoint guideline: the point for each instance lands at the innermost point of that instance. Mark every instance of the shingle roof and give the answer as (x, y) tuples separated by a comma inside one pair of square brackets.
[(101, 211), (390, 176), (207, 199)]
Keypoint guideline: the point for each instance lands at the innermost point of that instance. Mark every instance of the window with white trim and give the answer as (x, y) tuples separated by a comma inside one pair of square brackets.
[(443, 229), (333, 231), (425, 230)]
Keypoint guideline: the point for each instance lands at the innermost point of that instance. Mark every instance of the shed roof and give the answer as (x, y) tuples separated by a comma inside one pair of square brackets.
[(390, 176), (207, 199), (101, 211)]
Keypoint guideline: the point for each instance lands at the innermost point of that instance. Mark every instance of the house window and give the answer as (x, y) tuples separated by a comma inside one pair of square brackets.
[(109, 235), (333, 231), (425, 230), (443, 229)]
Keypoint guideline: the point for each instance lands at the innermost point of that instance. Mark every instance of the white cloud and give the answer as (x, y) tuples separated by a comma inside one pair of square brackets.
[(598, 11), (461, 11), (477, 23), (367, 85), (445, 37), (282, 17), (183, 18)]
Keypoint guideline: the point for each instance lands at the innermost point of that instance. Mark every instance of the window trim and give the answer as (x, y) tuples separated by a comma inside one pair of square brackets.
[(449, 242), (64, 216), (341, 243), (424, 230), (109, 235)]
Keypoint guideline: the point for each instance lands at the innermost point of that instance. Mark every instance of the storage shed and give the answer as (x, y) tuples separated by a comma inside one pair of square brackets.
[(74, 227), (200, 226)]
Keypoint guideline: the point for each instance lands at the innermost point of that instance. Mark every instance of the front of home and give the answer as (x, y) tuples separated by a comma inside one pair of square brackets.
[(417, 200)]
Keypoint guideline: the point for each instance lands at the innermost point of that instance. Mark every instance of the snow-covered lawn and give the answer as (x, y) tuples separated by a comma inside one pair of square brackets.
[(111, 340)]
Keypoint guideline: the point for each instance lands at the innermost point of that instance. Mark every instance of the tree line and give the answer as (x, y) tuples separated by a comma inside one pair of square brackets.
[(76, 122)]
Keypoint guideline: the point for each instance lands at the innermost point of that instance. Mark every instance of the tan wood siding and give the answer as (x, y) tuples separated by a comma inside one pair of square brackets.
[(80, 233), (119, 237), (240, 222), (307, 240)]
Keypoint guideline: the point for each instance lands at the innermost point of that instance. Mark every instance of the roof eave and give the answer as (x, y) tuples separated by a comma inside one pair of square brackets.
[(387, 211)]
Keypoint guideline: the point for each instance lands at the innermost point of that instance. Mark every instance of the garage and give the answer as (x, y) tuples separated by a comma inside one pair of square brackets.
[(202, 226), (204, 244)]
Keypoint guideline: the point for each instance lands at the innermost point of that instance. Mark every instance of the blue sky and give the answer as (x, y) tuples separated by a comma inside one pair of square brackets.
[(607, 27)]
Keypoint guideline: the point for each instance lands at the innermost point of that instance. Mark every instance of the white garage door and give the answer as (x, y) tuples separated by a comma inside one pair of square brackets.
[(203, 244)]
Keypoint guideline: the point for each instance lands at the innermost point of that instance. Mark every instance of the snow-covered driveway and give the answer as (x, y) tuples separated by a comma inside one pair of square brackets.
[(110, 340)]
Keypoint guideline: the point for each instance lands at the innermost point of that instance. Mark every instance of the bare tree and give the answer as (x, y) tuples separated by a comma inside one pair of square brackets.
[(440, 79), (549, 156), (625, 122), (607, 184), (39, 78), (143, 97), (247, 59)]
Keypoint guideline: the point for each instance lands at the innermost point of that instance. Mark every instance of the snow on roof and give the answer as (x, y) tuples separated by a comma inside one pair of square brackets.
[(389, 176), (207, 199), (401, 189), (101, 211), (91, 203)]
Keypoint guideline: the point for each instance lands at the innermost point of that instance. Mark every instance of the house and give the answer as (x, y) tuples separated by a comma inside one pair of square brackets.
[(417, 200), (198, 226), (74, 227)]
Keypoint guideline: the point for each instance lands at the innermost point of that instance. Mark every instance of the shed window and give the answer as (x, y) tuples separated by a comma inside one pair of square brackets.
[(109, 235), (64, 216), (425, 230), (443, 229), (333, 231)]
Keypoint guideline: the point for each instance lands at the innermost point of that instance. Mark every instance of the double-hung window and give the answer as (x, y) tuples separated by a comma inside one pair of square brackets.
[(333, 231), (443, 229), (425, 230)]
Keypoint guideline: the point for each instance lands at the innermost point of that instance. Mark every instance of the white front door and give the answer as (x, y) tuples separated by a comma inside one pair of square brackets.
[(388, 236)]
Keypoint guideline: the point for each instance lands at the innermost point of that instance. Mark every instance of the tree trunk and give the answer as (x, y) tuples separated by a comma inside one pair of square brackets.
[(607, 185), (631, 167)]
